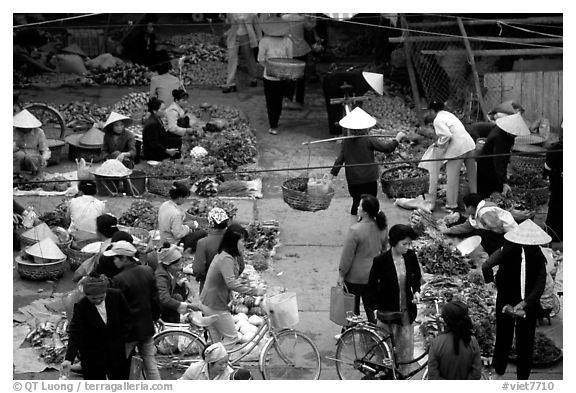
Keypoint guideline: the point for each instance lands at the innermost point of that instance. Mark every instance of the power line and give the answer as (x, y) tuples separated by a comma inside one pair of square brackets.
[(54, 21)]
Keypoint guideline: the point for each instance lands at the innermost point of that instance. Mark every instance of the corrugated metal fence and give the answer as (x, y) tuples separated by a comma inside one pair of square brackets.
[(540, 93)]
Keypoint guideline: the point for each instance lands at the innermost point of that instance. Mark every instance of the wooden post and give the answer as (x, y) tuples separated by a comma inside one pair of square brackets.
[(411, 73), (474, 70)]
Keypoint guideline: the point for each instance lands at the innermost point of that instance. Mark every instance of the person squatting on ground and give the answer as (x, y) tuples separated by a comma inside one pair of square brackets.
[(455, 354), (520, 282), (214, 365), (157, 143), (119, 143), (365, 240), (30, 151)]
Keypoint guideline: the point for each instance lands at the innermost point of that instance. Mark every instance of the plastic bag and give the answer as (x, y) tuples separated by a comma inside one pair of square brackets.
[(83, 170), (319, 186)]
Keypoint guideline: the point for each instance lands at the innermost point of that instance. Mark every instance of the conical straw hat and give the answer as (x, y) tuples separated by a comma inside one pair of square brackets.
[(513, 124), (25, 119), (376, 81), (39, 232), (114, 117), (358, 119), (529, 234), (45, 249), (507, 107), (93, 138)]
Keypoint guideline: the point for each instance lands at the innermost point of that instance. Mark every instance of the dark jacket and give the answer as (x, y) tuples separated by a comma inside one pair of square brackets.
[(443, 363), (361, 151), (167, 288), (123, 143), (383, 286), (98, 342), (509, 260), (492, 171), (206, 250), (138, 284), (156, 140)]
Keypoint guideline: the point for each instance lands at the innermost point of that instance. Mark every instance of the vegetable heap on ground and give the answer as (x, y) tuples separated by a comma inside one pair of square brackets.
[(438, 256), (140, 214), (50, 339), (201, 207), (57, 217), (545, 351)]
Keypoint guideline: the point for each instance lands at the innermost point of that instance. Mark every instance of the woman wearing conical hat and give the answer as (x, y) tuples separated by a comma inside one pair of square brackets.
[(30, 150), (492, 171), (119, 143), (520, 282)]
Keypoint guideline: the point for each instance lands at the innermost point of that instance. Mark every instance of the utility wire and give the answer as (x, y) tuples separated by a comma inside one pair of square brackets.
[(248, 171), (53, 21)]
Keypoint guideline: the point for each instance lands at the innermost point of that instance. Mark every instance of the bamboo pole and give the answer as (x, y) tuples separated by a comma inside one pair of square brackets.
[(474, 70), (540, 20), (339, 138), (497, 52), (511, 40), (411, 72)]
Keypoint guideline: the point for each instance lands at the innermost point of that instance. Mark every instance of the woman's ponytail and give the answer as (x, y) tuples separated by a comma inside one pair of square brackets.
[(381, 221)]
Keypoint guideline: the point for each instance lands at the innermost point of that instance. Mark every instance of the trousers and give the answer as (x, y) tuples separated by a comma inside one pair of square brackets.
[(146, 350), (360, 291), (274, 92), (295, 89), (242, 45), (453, 178), (357, 190)]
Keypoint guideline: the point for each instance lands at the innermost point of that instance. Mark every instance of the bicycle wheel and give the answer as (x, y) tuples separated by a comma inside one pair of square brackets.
[(290, 355), (355, 345), (52, 121), (176, 350)]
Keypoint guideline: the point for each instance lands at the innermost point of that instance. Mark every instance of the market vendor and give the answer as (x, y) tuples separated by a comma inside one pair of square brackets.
[(485, 219), (83, 211), (119, 143), (355, 153), (457, 146), (553, 169), (493, 171), (158, 144), (172, 223), (520, 282), (482, 129), (214, 365), (162, 85), (179, 120), (30, 151)]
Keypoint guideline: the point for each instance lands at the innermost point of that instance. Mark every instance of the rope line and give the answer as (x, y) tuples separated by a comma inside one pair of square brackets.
[(54, 20), (247, 171)]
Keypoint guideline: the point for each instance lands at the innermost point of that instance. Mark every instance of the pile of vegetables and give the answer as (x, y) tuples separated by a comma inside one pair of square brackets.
[(56, 183), (193, 39), (262, 235), (50, 339), (83, 112), (527, 182), (545, 351), (403, 172), (204, 73), (140, 214), (57, 217), (125, 74), (392, 112), (438, 256), (422, 221), (207, 187), (132, 104), (201, 207), (525, 201)]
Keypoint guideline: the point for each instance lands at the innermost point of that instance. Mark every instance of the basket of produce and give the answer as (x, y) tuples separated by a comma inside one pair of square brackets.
[(281, 68), (295, 194), (162, 186), (529, 163), (140, 214), (545, 352), (43, 231), (77, 253), (42, 261), (405, 181), (55, 146)]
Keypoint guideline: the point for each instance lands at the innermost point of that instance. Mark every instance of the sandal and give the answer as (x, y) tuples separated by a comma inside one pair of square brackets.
[(273, 131)]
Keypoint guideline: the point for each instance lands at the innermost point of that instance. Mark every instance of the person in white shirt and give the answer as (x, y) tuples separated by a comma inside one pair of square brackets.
[(486, 220), (453, 143), (83, 211), (274, 44), (162, 85)]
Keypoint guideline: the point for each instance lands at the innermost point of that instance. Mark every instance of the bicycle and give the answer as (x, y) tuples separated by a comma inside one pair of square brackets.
[(287, 353), (367, 351)]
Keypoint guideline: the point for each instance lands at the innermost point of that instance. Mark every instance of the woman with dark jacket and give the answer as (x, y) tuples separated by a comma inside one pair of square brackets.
[(119, 143), (158, 143), (553, 168), (492, 171), (520, 282), (394, 286)]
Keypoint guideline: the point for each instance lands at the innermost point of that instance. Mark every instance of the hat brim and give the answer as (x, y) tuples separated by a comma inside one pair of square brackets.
[(74, 140), (513, 124)]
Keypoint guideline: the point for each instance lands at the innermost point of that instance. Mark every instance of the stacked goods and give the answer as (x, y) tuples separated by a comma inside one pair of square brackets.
[(141, 214), (201, 207), (126, 74), (203, 51), (50, 339)]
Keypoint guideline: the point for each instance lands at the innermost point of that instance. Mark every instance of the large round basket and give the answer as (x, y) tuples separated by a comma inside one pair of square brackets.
[(540, 195), (528, 164), (26, 242), (404, 187), (300, 200), (290, 69), (75, 256), (41, 271), (56, 146), (162, 186)]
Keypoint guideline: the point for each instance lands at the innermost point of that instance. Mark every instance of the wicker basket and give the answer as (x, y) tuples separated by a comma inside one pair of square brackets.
[(76, 257), (301, 200), (528, 164), (290, 69), (405, 188), (27, 242), (540, 195), (41, 271), (532, 139), (162, 186), (56, 146)]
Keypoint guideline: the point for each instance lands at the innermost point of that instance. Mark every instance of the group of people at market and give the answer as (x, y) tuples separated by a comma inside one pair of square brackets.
[(127, 286)]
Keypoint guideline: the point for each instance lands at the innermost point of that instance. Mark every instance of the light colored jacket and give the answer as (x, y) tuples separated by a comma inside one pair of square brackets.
[(274, 47), (242, 24), (171, 223), (452, 136), (363, 243)]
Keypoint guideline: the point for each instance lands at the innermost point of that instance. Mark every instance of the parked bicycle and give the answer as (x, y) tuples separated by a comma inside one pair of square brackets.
[(286, 354)]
